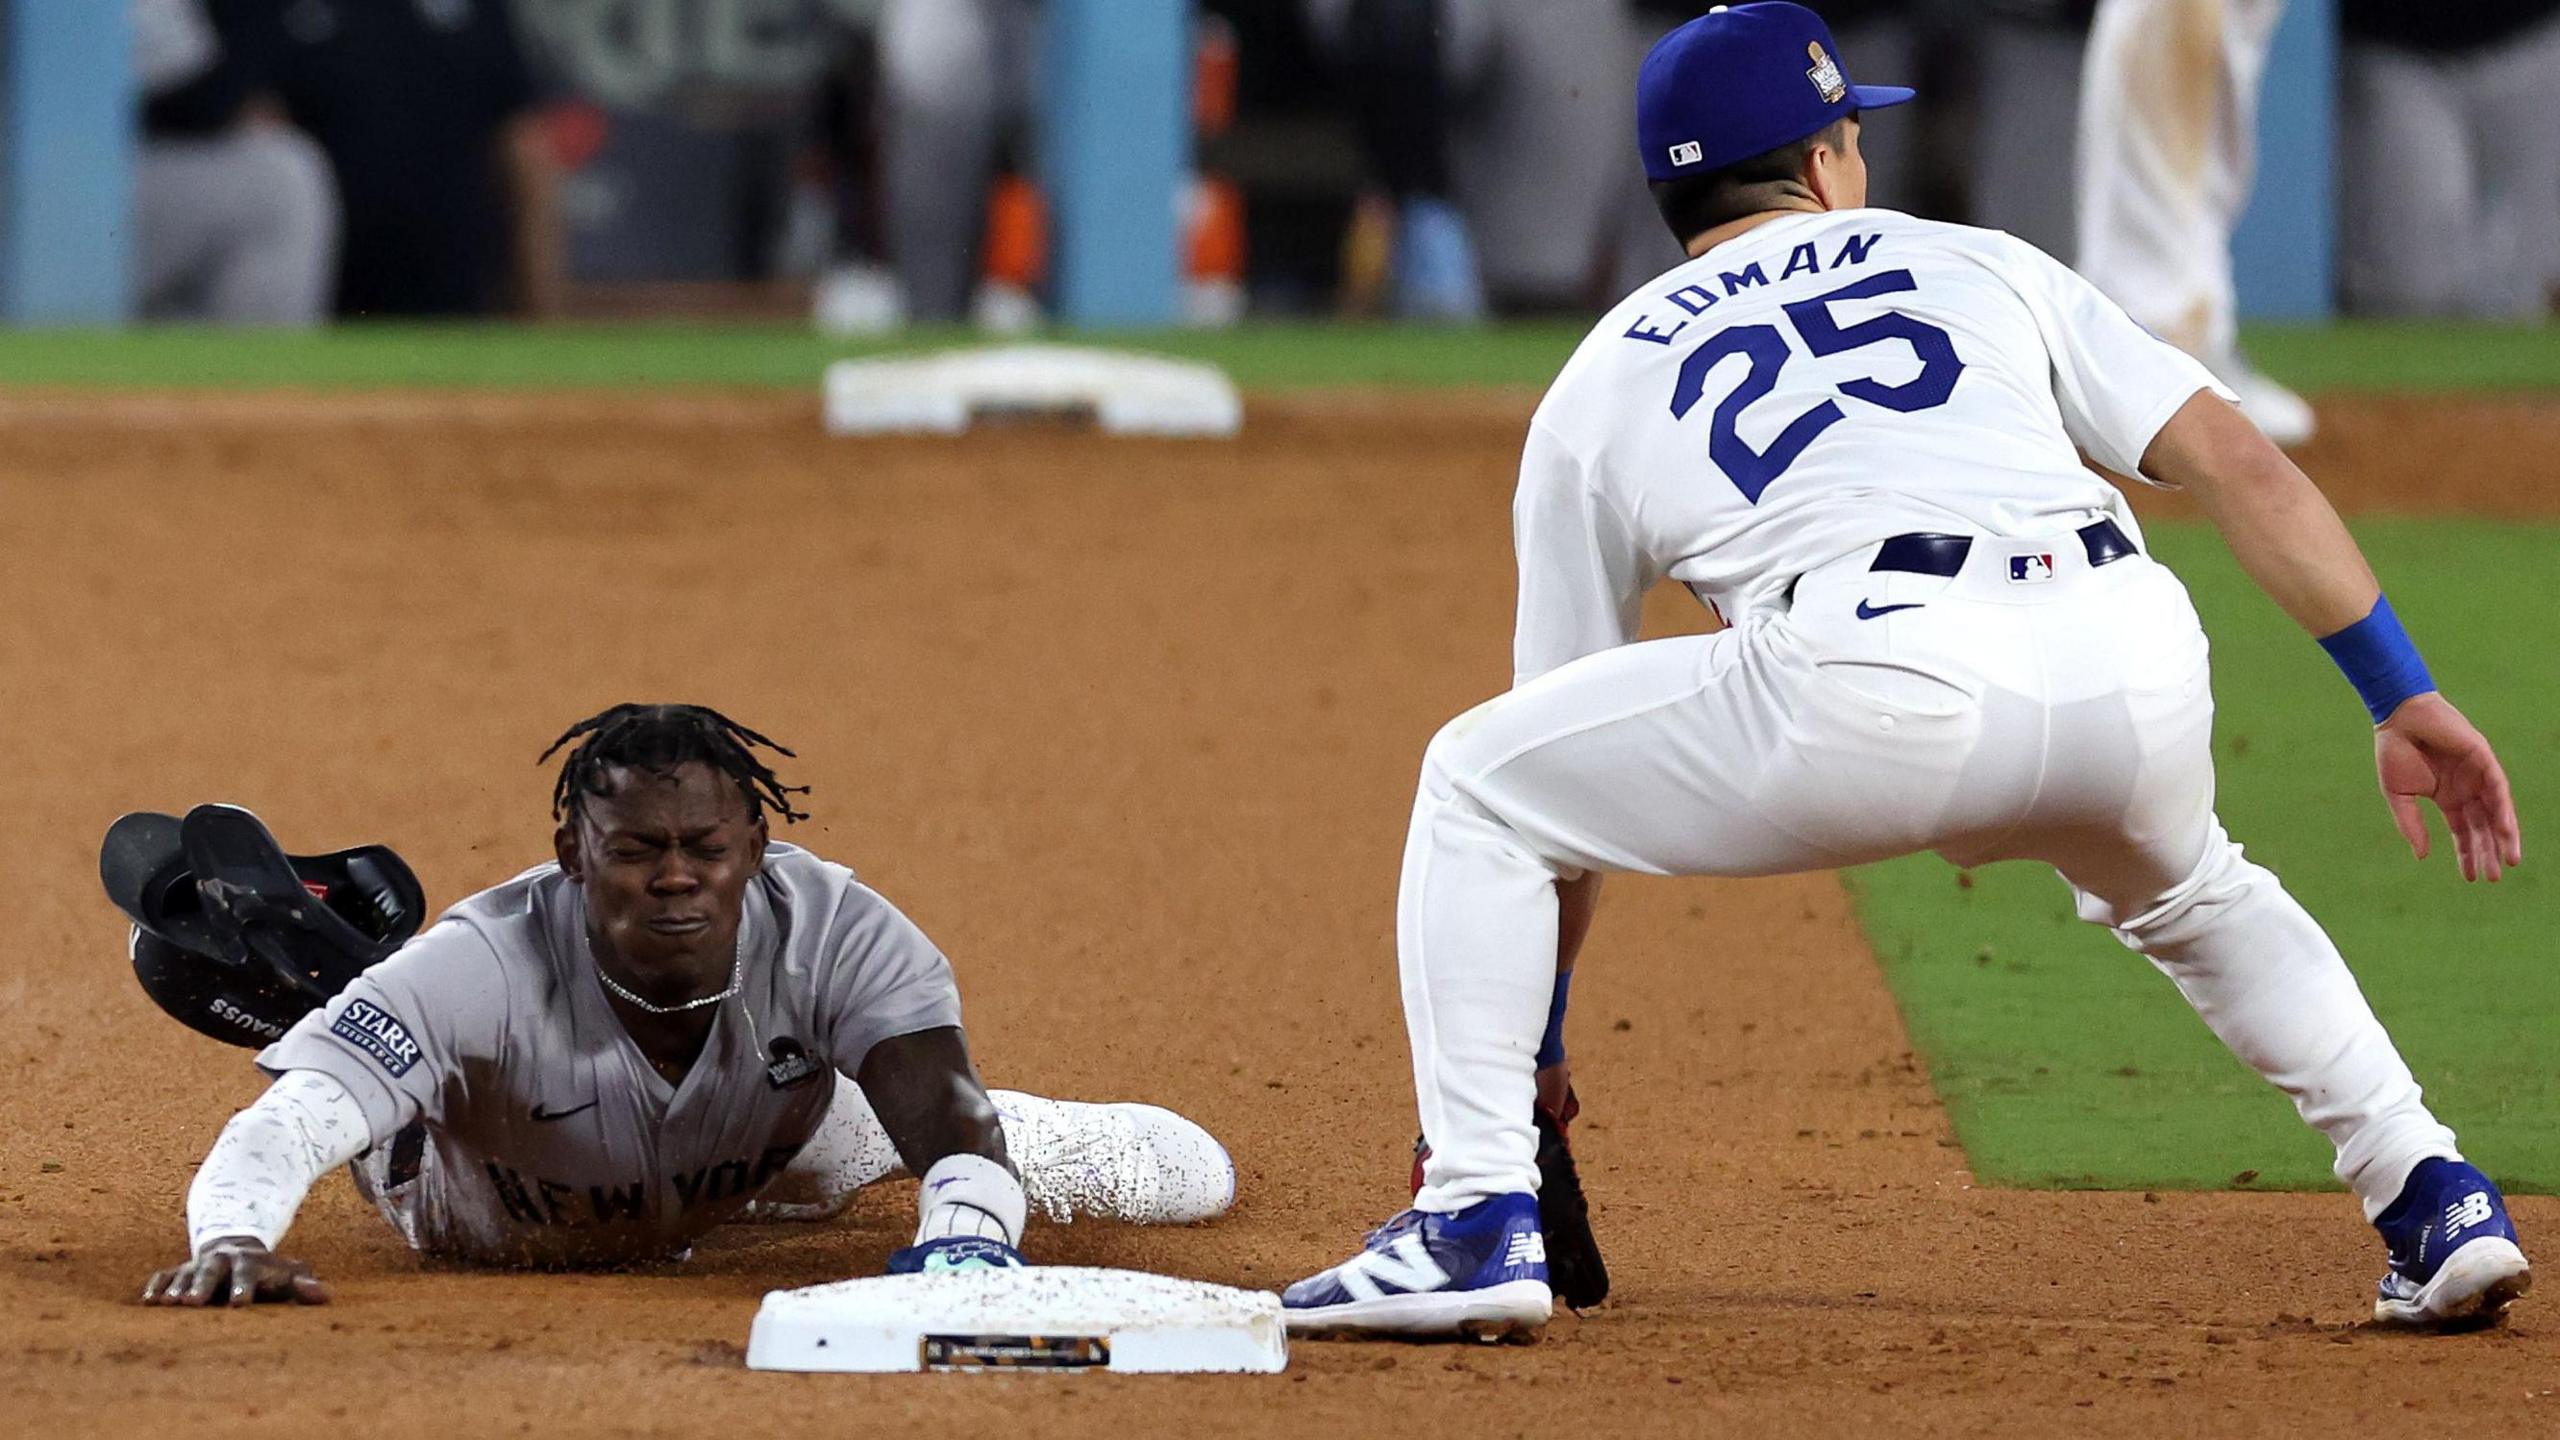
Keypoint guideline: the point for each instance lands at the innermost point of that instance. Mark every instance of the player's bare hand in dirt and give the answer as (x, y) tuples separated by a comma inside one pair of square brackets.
[(2428, 749), (239, 1271)]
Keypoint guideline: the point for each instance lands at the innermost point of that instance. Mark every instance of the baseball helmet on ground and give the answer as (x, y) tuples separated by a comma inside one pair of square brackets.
[(238, 939)]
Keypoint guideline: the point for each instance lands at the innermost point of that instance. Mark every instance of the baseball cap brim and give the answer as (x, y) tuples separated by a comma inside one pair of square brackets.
[(143, 865), (1877, 97)]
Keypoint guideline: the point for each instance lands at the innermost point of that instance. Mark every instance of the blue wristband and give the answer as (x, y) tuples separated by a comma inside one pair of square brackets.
[(2379, 660), (1551, 1046)]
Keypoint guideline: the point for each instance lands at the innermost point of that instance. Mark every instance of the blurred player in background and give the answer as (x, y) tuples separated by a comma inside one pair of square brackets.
[(2168, 151), (2449, 159), (427, 114), (1390, 56), (1496, 127), (2023, 157), (958, 80), (934, 124), (235, 215)]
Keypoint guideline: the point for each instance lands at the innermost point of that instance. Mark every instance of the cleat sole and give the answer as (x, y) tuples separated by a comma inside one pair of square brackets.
[(2471, 1292), (1507, 1313)]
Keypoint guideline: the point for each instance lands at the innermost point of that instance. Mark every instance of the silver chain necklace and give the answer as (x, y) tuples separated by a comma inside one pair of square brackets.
[(737, 982)]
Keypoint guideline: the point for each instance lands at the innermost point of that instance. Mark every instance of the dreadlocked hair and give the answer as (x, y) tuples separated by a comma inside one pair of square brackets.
[(658, 738)]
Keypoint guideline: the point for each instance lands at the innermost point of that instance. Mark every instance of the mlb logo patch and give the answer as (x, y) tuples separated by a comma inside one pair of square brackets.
[(1687, 153), (2030, 569)]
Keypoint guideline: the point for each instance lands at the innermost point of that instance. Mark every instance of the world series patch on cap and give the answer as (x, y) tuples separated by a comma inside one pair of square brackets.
[(1739, 81)]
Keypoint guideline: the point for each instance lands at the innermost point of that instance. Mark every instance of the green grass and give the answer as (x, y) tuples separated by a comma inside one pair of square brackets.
[(1261, 356), (2372, 355), (1264, 355), (2066, 1060)]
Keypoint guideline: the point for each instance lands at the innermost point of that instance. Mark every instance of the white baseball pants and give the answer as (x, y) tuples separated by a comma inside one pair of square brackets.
[(2168, 152), (2066, 720)]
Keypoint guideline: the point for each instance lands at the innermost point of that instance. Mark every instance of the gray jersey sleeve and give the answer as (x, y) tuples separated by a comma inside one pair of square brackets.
[(399, 1037), (878, 977)]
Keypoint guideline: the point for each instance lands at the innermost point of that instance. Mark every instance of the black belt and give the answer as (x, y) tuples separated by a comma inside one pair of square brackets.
[(1943, 555)]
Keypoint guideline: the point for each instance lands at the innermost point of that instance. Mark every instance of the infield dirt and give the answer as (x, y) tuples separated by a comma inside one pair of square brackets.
[(1131, 729)]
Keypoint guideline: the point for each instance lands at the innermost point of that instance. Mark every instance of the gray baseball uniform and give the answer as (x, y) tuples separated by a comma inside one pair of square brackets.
[(548, 1139)]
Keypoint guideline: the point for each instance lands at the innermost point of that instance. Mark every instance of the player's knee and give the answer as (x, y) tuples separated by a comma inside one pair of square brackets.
[(1461, 805), (2221, 879), (1458, 751)]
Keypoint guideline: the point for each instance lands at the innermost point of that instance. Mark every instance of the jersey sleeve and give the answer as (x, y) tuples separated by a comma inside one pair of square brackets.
[(2117, 383), (270, 1155), (879, 978), (1582, 574), (400, 1036)]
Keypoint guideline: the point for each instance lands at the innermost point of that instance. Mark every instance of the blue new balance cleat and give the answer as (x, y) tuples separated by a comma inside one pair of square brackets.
[(2454, 1258), (1481, 1271), (955, 1252)]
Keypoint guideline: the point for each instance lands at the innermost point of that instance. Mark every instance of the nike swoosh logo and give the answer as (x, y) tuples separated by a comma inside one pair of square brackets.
[(541, 1114), (938, 1184), (1869, 612)]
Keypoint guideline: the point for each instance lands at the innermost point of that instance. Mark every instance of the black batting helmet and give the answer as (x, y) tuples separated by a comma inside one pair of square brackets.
[(238, 939)]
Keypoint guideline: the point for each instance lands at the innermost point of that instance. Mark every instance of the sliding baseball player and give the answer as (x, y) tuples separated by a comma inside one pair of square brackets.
[(598, 1061)]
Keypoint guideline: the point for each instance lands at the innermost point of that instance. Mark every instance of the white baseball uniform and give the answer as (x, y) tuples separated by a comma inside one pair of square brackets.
[(1757, 424), (2168, 152)]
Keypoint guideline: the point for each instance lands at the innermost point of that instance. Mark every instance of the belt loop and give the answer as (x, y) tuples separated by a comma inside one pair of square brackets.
[(2105, 542), (1924, 554)]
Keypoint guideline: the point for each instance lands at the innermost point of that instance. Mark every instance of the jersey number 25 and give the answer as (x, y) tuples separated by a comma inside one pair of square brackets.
[(1751, 471)]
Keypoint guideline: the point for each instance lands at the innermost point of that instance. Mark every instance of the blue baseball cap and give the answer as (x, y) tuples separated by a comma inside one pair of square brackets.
[(1739, 81)]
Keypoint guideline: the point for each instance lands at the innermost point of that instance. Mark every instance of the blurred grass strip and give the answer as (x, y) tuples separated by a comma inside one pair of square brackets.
[(1273, 356), (2378, 355), (1263, 355)]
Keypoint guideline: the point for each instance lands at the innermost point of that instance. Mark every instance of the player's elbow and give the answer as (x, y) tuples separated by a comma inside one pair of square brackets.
[(2212, 451)]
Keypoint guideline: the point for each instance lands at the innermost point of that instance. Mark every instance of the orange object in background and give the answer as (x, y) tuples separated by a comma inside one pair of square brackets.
[(1213, 246), (574, 130), (1210, 221), (1213, 230), (1214, 72), (1017, 240)]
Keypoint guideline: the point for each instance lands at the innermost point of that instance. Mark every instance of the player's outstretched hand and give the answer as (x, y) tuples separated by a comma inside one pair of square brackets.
[(235, 1271), (2427, 749)]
